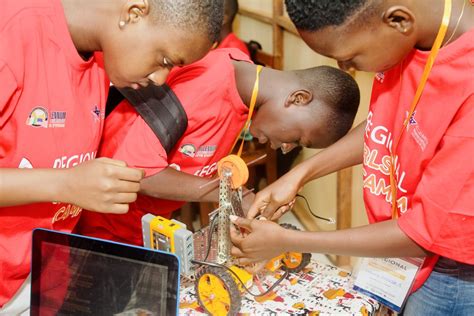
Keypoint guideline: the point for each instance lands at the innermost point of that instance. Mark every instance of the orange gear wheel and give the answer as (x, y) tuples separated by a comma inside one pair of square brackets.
[(238, 167), (294, 261)]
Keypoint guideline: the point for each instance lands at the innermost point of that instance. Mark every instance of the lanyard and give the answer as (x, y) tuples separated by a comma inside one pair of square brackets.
[(426, 72), (253, 101)]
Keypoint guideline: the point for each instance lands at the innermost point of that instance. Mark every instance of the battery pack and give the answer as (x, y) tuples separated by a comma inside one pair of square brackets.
[(170, 236)]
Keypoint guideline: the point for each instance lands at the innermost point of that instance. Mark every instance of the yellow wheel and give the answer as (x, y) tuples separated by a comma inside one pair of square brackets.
[(217, 292), (294, 261), (238, 167)]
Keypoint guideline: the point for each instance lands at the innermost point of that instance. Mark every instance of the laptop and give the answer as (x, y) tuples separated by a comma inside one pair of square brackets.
[(77, 275)]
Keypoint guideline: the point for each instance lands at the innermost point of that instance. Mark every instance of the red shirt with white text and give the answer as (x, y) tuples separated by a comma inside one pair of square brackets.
[(435, 157), (216, 114), (51, 116)]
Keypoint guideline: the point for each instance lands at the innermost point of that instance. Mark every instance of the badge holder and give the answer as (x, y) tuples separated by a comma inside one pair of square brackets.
[(388, 280)]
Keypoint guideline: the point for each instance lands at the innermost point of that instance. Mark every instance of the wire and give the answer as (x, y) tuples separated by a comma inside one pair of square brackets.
[(209, 238), (218, 265), (330, 220)]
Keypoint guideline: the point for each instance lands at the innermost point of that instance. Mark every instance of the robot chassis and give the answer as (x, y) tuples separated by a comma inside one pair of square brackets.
[(205, 259)]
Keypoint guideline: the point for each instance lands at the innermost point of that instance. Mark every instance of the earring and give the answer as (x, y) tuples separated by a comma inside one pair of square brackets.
[(121, 24)]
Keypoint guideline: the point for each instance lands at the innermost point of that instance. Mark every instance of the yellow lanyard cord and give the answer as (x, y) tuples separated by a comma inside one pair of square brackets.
[(426, 72), (253, 101)]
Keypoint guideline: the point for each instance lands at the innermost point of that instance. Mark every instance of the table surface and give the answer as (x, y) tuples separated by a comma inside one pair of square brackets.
[(319, 289)]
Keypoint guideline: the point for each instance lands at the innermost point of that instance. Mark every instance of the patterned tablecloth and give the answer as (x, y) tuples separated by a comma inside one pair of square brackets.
[(319, 289)]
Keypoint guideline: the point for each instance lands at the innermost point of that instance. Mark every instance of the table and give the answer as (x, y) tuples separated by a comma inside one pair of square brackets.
[(320, 289)]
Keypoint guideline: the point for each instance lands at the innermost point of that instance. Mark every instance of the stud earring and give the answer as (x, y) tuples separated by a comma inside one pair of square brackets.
[(122, 24)]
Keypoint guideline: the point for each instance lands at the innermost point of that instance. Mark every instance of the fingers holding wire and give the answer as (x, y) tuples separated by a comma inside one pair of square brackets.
[(282, 210)]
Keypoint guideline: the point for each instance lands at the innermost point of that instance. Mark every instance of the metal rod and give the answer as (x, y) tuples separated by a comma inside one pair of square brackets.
[(256, 160), (214, 211)]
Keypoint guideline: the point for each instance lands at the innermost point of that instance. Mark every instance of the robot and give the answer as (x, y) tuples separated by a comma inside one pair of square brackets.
[(205, 255)]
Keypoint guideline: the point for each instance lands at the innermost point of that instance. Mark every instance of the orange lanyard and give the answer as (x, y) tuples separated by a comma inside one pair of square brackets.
[(253, 101), (426, 72)]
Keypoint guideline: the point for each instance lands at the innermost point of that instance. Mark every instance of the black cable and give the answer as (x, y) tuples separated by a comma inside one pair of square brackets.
[(330, 220), (218, 265), (209, 238)]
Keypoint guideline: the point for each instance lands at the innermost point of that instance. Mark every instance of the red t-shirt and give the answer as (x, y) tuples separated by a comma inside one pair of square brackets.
[(232, 41), (216, 114), (51, 116), (435, 167)]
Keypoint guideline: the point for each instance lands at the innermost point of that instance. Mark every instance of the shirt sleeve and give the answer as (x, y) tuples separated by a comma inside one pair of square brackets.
[(441, 218), (140, 148), (8, 88)]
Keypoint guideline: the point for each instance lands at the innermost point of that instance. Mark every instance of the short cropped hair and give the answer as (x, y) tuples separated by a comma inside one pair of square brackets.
[(198, 16), (313, 15), (338, 92)]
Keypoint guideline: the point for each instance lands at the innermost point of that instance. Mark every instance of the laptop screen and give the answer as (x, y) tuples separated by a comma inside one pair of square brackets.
[(75, 275)]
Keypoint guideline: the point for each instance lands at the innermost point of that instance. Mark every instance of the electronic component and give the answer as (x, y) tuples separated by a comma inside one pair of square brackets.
[(170, 236), (219, 283)]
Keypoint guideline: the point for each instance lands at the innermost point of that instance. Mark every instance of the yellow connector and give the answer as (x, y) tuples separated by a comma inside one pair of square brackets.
[(161, 227)]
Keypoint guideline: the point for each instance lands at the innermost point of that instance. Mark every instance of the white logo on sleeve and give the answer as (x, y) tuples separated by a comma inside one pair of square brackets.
[(175, 166), (25, 164)]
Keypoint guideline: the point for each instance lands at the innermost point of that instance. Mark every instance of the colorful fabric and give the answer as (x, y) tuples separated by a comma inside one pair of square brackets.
[(319, 289)]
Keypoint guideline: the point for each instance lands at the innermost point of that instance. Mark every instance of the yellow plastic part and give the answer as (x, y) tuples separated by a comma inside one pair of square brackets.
[(165, 227), (274, 264), (238, 167), (244, 276), (213, 293), (292, 259)]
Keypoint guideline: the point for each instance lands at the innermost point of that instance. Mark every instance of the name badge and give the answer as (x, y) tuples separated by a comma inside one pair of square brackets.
[(387, 280)]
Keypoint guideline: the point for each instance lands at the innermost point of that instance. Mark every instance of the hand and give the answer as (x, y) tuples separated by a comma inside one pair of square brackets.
[(256, 267), (281, 211), (102, 185), (276, 197), (247, 201), (262, 240)]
